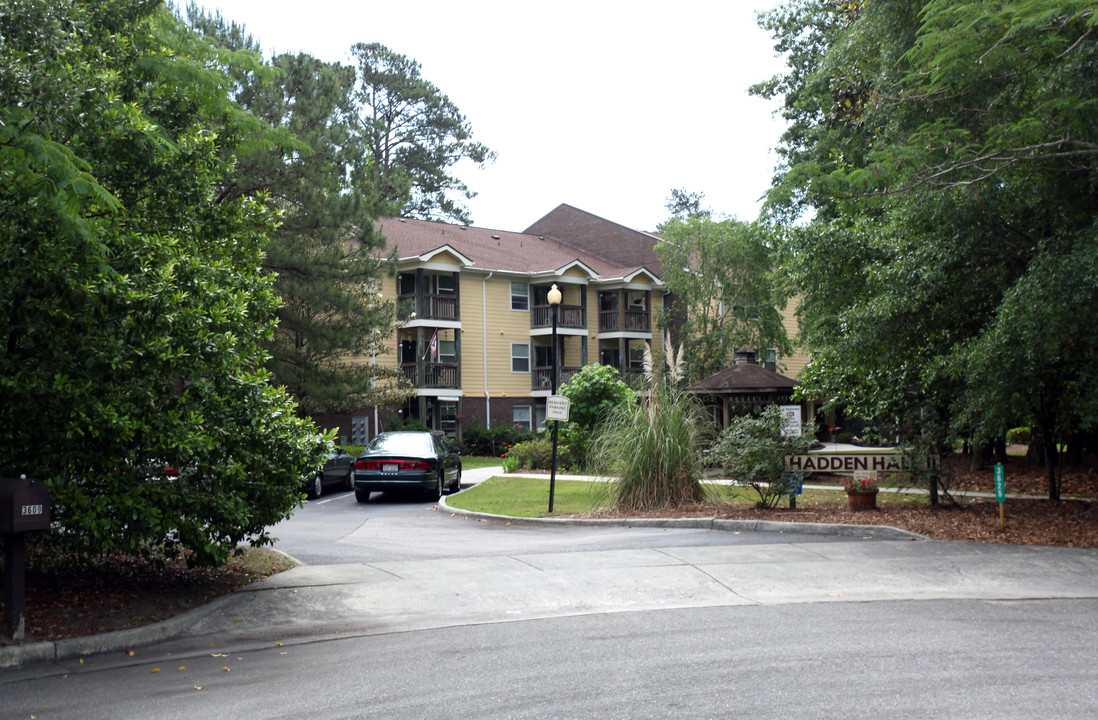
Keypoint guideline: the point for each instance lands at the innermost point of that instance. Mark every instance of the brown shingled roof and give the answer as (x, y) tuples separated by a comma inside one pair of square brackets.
[(598, 236), (746, 378), (496, 249)]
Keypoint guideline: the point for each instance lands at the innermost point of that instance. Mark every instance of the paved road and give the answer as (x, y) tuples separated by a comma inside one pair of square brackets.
[(405, 611)]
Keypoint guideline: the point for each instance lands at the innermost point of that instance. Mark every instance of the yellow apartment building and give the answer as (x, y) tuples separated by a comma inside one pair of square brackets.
[(477, 345)]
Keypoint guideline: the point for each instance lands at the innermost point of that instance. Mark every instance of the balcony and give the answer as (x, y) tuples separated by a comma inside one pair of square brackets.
[(570, 317), (432, 306), (435, 375), (542, 377), (627, 321)]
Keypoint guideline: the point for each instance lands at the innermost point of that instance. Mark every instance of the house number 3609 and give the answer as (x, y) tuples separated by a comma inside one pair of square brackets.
[(32, 509)]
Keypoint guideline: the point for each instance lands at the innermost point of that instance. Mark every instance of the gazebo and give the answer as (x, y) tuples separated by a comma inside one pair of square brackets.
[(745, 384)]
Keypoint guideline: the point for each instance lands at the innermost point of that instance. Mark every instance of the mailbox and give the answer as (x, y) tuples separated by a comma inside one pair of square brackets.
[(24, 505)]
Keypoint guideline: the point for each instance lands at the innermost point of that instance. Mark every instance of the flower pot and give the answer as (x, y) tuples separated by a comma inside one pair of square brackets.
[(862, 499)]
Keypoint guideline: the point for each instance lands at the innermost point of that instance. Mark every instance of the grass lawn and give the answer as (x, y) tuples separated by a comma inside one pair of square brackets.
[(469, 462), (529, 497)]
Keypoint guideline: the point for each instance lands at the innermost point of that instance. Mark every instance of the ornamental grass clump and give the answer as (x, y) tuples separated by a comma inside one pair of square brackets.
[(654, 447)]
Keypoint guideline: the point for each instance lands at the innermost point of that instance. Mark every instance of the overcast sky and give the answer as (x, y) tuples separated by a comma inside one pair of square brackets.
[(603, 105)]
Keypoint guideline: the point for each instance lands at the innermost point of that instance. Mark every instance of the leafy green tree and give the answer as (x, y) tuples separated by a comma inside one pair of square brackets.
[(594, 393), (132, 307), (683, 204), (947, 150), (752, 450), (326, 256), (414, 134), (720, 273)]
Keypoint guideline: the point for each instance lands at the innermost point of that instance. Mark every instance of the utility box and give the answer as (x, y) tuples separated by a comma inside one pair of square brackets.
[(24, 506)]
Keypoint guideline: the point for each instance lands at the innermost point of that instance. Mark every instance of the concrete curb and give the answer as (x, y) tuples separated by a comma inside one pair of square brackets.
[(878, 531)]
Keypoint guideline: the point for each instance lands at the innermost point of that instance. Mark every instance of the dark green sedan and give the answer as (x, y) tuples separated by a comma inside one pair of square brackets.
[(405, 461)]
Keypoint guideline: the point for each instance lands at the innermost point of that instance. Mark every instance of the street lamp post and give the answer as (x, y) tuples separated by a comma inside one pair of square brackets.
[(554, 298)]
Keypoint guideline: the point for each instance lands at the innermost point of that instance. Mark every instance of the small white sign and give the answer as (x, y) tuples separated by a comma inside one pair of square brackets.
[(556, 407), (868, 475), (792, 415)]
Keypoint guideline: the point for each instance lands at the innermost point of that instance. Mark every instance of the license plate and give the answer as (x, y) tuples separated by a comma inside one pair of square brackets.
[(389, 467)]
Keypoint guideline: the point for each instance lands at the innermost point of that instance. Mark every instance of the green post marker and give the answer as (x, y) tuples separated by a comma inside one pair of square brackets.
[(1000, 491)]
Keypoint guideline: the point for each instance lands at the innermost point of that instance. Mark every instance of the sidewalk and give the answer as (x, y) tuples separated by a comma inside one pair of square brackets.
[(311, 603)]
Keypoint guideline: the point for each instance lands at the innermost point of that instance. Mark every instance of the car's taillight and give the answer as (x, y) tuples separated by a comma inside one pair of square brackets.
[(379, 465)]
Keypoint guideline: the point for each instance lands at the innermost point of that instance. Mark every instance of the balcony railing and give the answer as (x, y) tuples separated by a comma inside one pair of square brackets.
[(630, 320), (433, 306), (436, 375), (571, 316), (542, 378)]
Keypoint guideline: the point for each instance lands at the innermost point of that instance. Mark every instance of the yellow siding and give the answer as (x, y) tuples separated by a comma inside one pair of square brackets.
[(792, 365), (490, 300), (505, 326)]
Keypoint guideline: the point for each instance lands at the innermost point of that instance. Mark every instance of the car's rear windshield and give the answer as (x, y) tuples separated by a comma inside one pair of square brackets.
[(413, 444)]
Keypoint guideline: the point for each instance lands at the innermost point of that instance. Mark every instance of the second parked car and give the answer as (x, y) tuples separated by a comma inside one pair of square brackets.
[(407, 461), (339, 470)]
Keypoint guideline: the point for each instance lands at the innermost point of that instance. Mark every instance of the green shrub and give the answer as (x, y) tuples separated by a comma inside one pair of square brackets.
[(534, 454), (491, 442), (753, 449), (595, 391), (1019, 436), (573, 446)]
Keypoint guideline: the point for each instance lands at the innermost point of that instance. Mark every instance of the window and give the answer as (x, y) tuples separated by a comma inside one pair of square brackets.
[(447, 418), (520, 417), (445, 284), (520, 357), (539, 412), (636, 357), (406, 284), (447, 352), (520, 296)]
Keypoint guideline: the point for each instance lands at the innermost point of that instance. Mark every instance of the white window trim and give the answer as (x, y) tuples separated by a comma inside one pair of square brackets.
[(527, 296), (528, 422), (526, 358)]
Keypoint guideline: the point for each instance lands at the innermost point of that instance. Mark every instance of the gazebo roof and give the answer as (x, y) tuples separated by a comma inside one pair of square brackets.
[(745, 379)]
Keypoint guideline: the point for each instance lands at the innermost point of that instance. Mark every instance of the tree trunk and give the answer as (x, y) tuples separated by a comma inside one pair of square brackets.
[(980, 457), (1051, 454), (1036, 453)]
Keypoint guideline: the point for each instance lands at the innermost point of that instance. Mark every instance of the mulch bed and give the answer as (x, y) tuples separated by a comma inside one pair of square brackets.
[(1072, 522)]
